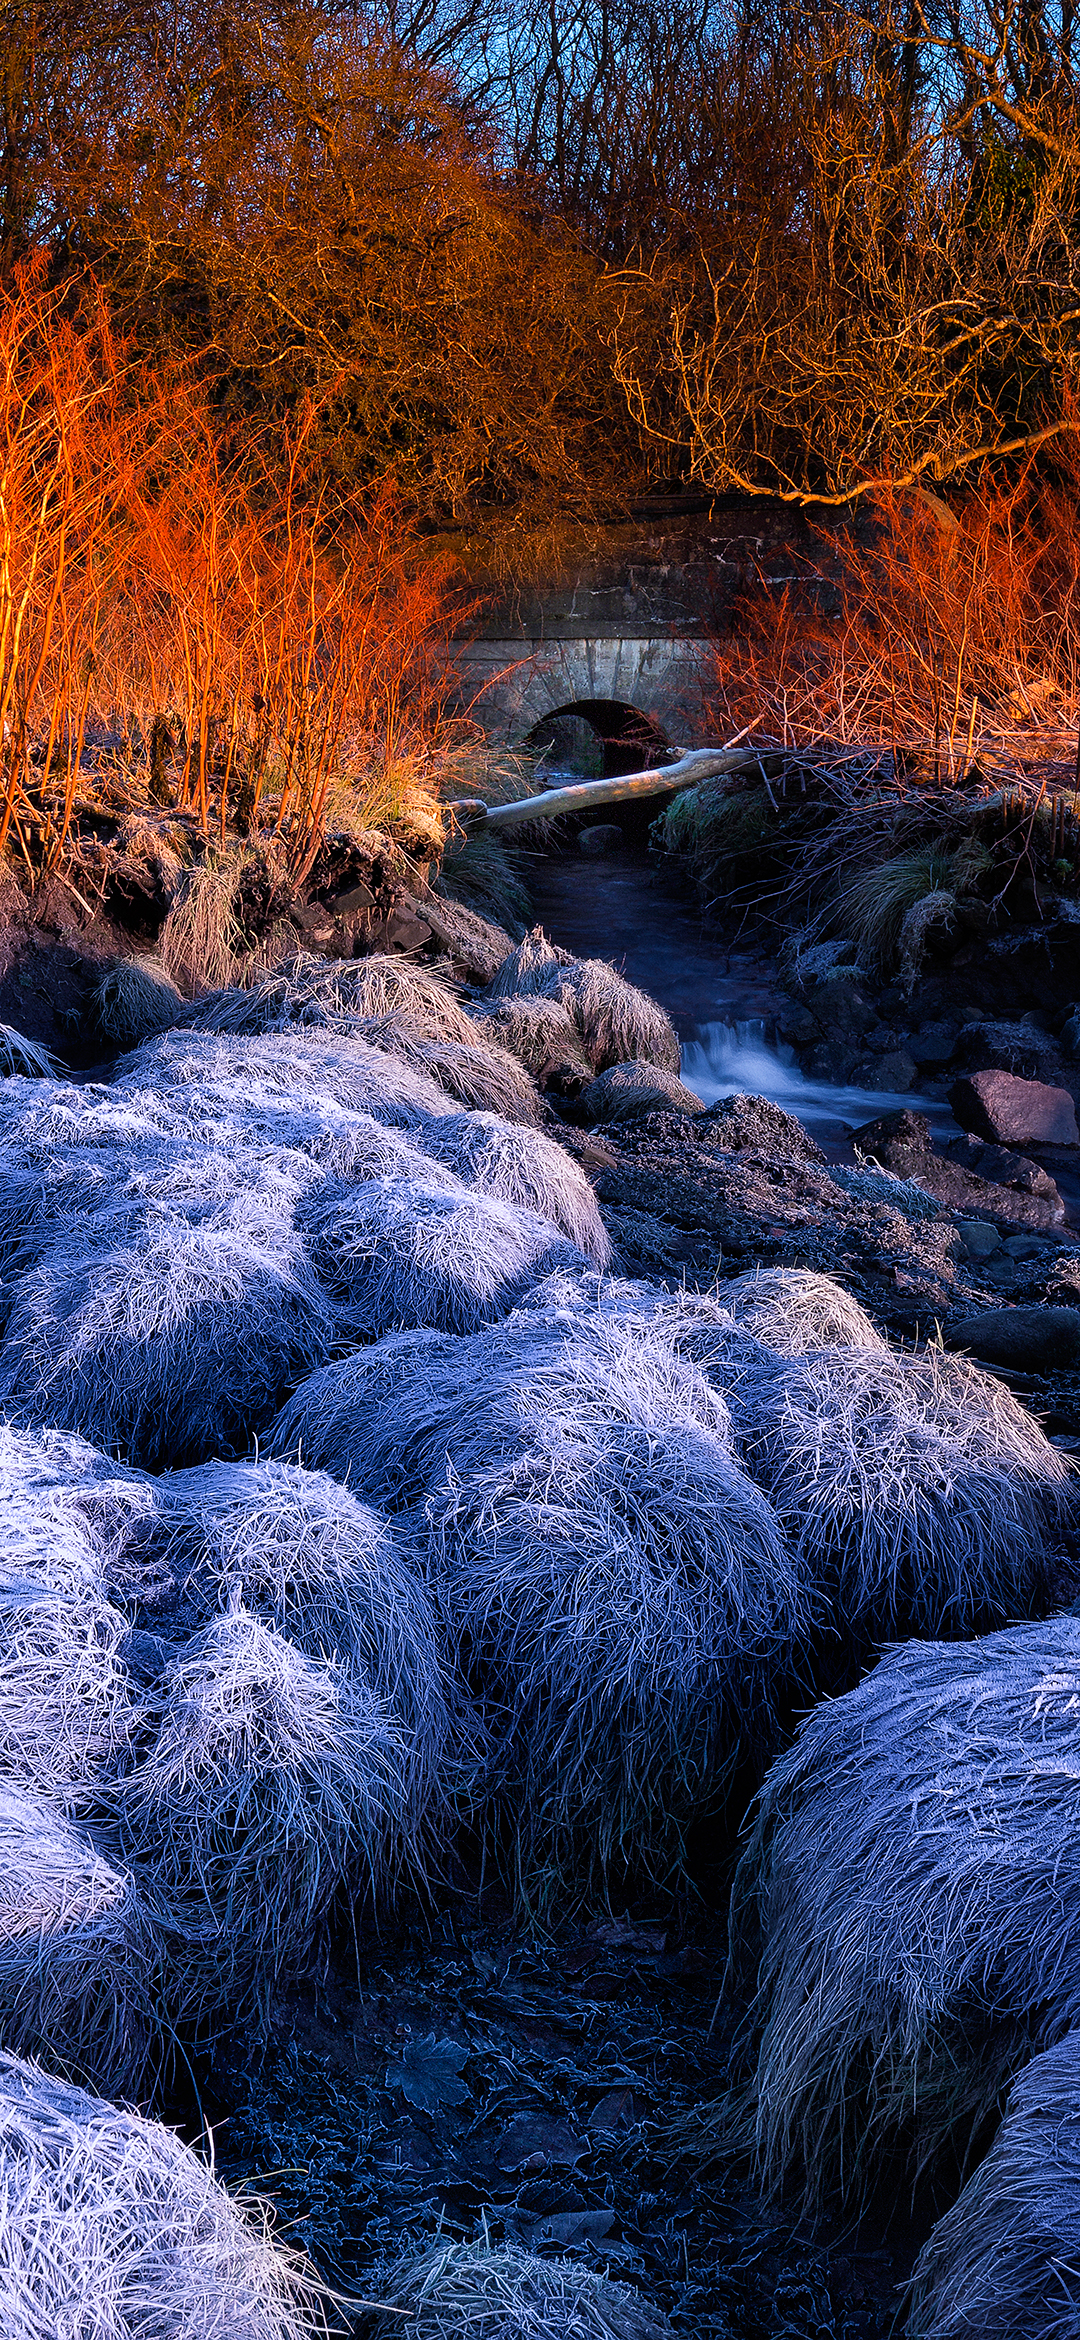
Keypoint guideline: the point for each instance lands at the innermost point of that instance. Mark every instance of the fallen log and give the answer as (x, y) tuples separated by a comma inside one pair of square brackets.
[(692, 765)]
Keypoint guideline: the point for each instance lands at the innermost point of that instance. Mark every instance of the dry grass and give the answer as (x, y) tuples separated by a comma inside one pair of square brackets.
[(297, 1549), (112, 2227), (484, 1080), (19, 1056), (469, 2291), (628, 1089), (916, 1489), (297, 1066), (524, 1167), (913, 1874), (541, 1034), (270, 1781), (306, 990), (1003, 2263), (617, 1024)]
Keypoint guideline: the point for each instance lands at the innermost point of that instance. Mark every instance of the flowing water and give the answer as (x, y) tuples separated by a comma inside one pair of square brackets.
[(722, 1001)]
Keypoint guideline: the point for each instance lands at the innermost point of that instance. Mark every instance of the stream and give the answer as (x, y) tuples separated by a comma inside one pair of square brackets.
[(722, 1001)]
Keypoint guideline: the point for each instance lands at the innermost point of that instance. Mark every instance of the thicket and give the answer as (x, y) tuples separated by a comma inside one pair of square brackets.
[(295, 296)]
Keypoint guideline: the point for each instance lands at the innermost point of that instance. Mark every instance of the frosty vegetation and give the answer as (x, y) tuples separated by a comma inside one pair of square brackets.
[(351, 1501)]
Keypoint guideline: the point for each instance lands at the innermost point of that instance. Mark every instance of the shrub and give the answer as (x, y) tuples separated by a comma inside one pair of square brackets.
[(1003, 2264), (917, 1484), (405, 1252), (461, 2289), (113, 2226), (174, 1343), (914, 1875), (75, 1947), (521, 1166), (270, 1782)]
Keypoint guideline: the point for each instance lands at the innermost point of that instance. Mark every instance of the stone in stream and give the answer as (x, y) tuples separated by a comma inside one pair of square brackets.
[(599, 838), (1027, 1340), (900, 1141), (1012, 1112)]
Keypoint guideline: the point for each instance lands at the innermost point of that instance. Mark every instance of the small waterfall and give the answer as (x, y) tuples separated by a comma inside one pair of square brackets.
[(729, 1060)]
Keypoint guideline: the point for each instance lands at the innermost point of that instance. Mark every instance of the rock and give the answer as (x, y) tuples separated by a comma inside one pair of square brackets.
[(933, 1046), (601, 837), (1024, 1247), (752, 1125), (900, 1141), (979, 1239), (895, 1073), (1029, 1340), (1022, 1048), (1004, 1168), (1012, 1112), (1069, 1036), (626, 1089)]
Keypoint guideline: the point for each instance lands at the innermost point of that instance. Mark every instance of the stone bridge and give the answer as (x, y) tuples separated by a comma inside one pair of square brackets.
[(615, 648)]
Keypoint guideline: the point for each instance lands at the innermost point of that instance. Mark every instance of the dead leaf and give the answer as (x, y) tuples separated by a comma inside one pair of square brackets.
[(532, 2141), (429, 2073)]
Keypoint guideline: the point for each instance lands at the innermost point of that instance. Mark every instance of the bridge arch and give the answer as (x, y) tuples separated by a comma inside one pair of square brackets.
[(598, 738)]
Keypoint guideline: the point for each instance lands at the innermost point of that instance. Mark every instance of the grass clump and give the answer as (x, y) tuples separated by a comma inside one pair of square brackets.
[(113, 2227), (340, 1070), (21, 1058), (298, 1550), (470, 2291), (131, 1001), (542, 1035), (75, 1946), (913, 1876), (405, 1252), (916, 1487), (877, 908), (484, 1080), (174, 1342), (524, 1167), (1004, 2262), (792, 1310), (269, 1781), (628, 1089), (324, 992), (617, 1023)]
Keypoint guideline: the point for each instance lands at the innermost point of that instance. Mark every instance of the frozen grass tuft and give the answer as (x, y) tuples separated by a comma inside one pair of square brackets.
[(918, 1485), (792, 1310), (628, 1089), (541, 1034), (112, 2229), (468, 2291), (131, 1001), (298, 1066), (404, 1252), (300, 1550), (20, 1057), (74, 1947), (610, 1576), (270, 1782), (915, 1878), (308, 990), (483, 1079), (529, 968), (1004, 2262), (521, 1166), (172, 1344), (67, 1716)]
